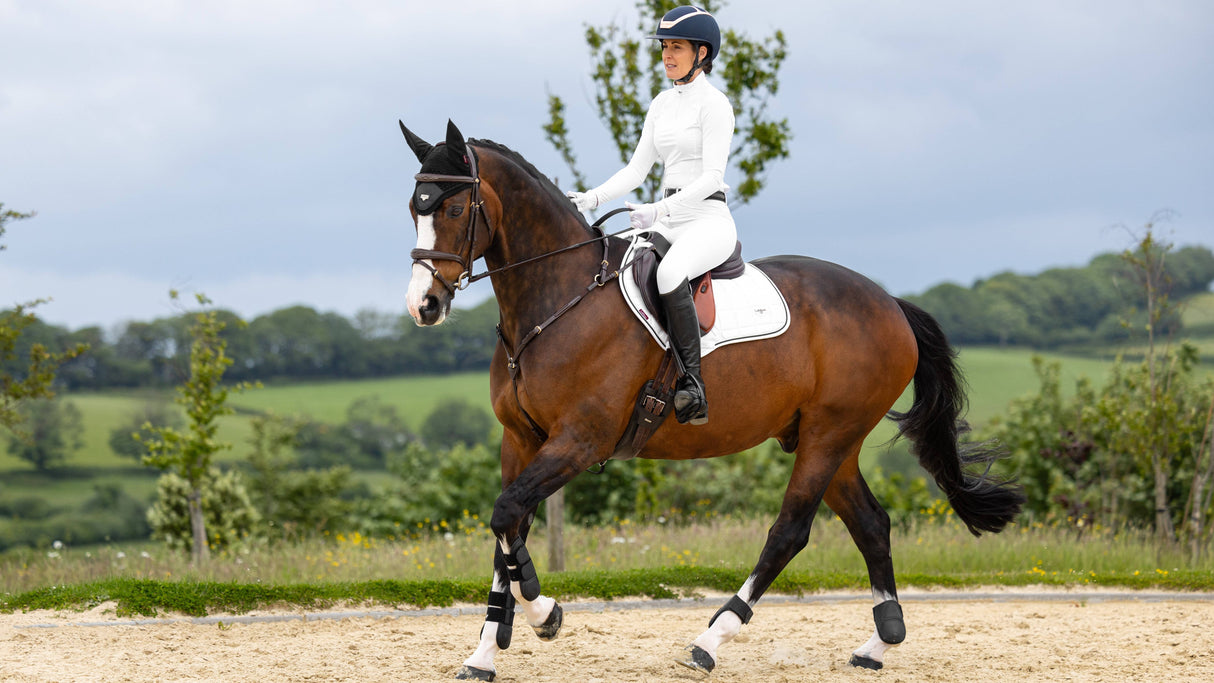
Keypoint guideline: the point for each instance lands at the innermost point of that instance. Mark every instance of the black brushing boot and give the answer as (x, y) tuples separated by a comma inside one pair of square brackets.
[(683, 326)]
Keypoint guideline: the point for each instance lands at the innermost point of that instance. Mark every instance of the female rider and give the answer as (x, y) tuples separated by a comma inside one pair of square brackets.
[(689, 128)]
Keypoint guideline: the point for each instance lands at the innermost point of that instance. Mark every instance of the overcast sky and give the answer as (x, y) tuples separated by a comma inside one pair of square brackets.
[(249, 150)]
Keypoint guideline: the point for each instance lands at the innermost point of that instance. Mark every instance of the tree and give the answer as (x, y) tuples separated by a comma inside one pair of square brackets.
[(129, 439), (218, 497), (291, 500), (1137, 450), (40, 372), (51, 430), (749, 70), (204, 397), (1154, 429), (456, 421)]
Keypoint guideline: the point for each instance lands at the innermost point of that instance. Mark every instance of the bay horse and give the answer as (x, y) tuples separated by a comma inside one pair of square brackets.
[(571, 359)]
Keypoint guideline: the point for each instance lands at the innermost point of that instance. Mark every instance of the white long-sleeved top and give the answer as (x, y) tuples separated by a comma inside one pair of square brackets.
[(689, 128)]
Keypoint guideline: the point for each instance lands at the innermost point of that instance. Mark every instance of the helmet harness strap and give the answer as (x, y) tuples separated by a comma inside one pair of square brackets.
[(696, 65)]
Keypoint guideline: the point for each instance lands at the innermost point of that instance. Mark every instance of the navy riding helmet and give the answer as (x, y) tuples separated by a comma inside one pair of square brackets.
[(696, 25)]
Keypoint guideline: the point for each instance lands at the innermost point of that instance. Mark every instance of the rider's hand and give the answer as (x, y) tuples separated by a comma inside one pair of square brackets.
[(584, 201), (643, 216)]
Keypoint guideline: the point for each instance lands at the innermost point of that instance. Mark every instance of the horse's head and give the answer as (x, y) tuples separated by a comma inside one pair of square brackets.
[(452, 227)]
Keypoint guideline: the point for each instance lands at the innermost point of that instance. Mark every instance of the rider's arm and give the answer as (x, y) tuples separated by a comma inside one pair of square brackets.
[(631, 176)]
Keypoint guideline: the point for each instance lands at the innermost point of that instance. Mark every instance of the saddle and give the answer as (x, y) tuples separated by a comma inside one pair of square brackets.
[(644, 272), (654, 399)]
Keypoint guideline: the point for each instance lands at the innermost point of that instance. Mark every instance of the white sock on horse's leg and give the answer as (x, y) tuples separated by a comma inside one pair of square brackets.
[(874, 649), (725, 628), (488, 648)]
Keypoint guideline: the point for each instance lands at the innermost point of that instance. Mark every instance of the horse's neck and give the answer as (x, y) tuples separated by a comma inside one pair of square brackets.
[(530, 228)]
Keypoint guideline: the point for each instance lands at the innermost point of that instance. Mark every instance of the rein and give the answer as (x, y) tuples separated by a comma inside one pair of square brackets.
[(466, 278), (477, 208)]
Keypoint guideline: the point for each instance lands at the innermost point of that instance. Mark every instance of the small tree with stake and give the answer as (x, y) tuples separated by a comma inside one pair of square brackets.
[(204, 397)]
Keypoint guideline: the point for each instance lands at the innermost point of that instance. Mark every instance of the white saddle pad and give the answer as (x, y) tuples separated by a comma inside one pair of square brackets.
[(748, 308)]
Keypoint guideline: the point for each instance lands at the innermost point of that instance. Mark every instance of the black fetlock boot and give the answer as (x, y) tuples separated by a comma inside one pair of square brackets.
[(683, 326)]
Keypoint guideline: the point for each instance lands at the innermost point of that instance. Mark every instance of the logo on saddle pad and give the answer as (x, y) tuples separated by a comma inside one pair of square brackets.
[(747, 306)]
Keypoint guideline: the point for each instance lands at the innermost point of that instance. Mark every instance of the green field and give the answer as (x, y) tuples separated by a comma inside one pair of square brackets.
[(323, 401), (1198, 311), (995, 376)]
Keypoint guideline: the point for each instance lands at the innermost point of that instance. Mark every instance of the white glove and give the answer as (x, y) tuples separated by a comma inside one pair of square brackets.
[(643, 216), (584, 201)]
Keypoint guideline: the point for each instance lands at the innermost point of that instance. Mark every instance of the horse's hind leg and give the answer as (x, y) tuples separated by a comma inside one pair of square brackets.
[(787, 536), (868, 523)]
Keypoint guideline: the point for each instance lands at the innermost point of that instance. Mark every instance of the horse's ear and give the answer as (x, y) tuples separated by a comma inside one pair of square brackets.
[(419, 146), (455, 141)]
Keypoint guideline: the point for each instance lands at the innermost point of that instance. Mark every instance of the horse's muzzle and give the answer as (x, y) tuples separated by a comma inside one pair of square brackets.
[(431, 311)]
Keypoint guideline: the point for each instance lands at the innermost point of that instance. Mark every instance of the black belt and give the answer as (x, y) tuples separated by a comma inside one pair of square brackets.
[(718, 195)]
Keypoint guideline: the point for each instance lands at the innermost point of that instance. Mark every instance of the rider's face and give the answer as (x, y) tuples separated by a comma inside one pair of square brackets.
[(677, 57)]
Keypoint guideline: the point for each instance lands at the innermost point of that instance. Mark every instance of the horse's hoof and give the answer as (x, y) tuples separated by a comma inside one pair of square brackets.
[(550, 628), (698, 660), (865, 663), (471, 673)]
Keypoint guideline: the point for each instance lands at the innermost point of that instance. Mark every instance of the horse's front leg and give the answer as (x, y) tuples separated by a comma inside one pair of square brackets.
[(556, 464), (514, 577)]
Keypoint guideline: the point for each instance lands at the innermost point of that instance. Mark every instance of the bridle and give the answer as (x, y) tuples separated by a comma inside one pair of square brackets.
[(476, 206)]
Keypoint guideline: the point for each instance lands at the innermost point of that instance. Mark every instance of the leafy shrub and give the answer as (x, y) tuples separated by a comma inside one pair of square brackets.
[(26, 507), (372, 432), (110, 514), (434, 487), (456, 421), (229, 514), (903, 497), (123, 441)]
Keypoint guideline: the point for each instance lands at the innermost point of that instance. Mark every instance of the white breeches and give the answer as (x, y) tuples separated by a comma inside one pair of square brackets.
[(699, 242)]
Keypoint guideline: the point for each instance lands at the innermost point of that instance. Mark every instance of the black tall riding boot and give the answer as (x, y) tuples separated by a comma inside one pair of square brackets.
[(683, 325)]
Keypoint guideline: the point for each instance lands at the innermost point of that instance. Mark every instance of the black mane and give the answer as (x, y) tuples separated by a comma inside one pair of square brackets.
[(546, 183)]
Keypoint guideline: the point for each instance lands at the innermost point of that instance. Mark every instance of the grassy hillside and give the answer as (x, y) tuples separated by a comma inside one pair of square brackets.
[(323, 401), (1197, 312), (413, 397), (995, 376)]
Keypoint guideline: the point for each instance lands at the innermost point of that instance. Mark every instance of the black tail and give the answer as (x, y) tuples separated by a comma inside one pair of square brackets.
[(933, 424)]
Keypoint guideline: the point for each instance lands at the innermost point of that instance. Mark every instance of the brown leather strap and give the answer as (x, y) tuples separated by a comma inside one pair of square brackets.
[(440, 178)]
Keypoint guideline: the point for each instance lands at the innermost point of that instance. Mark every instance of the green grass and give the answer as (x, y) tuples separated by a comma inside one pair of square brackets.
[(654, 560), (71, 486), (413, 397), (1198, 310), (996, 376)]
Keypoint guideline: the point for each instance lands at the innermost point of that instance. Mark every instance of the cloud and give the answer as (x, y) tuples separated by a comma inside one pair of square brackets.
[(252, 148)]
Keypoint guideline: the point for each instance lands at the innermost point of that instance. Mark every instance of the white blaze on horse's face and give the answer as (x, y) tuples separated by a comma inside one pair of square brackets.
[(423, 279)]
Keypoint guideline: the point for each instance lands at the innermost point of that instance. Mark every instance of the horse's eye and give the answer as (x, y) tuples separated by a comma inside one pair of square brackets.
[(455, 211)]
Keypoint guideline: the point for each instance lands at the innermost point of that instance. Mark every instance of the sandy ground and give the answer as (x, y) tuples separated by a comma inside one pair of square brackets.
[(1080, 636)]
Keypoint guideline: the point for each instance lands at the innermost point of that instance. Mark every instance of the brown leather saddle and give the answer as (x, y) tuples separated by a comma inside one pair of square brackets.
[(654, 400), (644, 272)]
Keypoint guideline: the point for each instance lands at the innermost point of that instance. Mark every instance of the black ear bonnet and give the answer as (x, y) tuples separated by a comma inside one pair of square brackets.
[(445, 158), (441, 160)]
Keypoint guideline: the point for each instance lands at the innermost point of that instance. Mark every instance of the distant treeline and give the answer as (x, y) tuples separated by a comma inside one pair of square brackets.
[(1064, 306), (1058, 307), (295, 343)]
